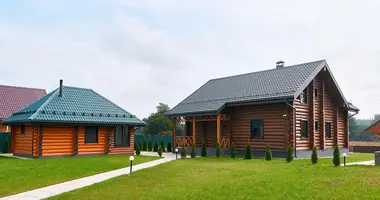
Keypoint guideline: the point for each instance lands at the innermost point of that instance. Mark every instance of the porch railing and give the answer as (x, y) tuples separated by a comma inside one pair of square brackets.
[(186, 140), (225, 142)]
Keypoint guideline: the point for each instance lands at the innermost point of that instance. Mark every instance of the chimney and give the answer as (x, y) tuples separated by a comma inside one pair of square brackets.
[(280, 64), (60, 87)]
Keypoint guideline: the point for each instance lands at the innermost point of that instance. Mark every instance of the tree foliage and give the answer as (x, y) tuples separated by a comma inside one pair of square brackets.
[(248, 152), (204, 149), (193, 150), (289, 154), (144, 148), (158, 123), (268, 153), (336, 156), (183, 151), (169, 148), (233, 150), (217, 153), (138, 150), (160, 150), (150, 146), (162, 145), (6, 148), (155, 147), (314, 156)]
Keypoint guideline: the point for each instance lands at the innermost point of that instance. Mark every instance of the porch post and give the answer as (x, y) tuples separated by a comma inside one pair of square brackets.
[(174, 133), (194, 129), (218, 129)]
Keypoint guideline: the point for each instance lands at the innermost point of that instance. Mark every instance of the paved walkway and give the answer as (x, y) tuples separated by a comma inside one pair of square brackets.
[(60, 188), (10, 155), (371, 162)]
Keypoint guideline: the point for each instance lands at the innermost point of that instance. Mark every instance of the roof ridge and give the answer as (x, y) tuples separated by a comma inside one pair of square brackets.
[(22, 87), (291, 66), (44, 104)]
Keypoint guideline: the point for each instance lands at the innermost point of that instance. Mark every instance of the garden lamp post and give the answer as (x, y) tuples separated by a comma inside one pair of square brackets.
[(344, 158), (131, 159), (176, 153)]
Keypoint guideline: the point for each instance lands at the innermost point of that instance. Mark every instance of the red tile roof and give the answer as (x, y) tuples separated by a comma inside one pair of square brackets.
[(13, 99)]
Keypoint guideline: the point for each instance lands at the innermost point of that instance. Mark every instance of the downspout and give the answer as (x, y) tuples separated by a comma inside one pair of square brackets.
[(294, 128), (350, 116)]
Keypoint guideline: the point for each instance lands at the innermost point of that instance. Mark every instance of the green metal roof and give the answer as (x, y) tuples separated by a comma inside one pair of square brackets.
[(75, 106)]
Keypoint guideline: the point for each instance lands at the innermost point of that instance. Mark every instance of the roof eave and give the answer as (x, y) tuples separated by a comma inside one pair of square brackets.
[(71, 123)]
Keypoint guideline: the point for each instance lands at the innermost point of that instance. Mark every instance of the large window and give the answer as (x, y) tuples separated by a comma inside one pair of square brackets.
[(122, 136), (328, 129), (257, 129), (304, 96), (304, 129), (91, 134)]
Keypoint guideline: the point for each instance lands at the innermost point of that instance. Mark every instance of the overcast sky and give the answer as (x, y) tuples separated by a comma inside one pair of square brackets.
[(140, 53)]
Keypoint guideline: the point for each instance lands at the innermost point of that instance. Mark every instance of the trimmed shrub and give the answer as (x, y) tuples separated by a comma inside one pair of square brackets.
[(204, 149), (138, 150), (160, 151), (217, 153), (144, 146), (183, 151), (140, 145), (163, 145), (268, 153), (135, 145), (336, 156), (169, 148), (233, 150), (193, 151), (6, 148), (248, 152), (314, 156), (155, 147), (150, 146), (289, 155)]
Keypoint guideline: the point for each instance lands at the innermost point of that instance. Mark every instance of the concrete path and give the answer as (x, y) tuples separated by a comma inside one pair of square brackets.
[(10, 155), (371, 162), (60, 188)]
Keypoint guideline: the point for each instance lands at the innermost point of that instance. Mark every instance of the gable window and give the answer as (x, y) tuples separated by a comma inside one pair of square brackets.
[(316, 126), (122, 136), (328, 129), (316, 93), (304, 129), (91, 134), (22, 129), (304, 96), (257, 129)]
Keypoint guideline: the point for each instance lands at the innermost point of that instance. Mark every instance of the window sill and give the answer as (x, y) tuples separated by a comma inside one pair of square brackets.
[(91, 143), (328, 138)]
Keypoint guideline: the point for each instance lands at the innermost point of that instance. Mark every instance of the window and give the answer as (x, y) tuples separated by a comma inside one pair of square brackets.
[(91, 134), (304, 129), (304, 96), (22, 129), (257, 129), (122, 136), (316, 93), (328, 129), (316, 126)]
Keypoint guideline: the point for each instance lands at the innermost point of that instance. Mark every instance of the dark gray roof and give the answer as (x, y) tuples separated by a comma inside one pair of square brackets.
[(352, 107), (286, 82)]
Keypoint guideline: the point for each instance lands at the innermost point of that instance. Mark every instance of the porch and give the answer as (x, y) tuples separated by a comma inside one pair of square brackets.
[(213, 130)]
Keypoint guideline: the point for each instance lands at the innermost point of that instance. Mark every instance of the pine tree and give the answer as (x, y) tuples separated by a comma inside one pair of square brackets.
[(183, 151), (163, 145), (248, 152), (314, 156), (138, 151), (150, 146), (6, 148), (336, 158), (169, 148), (268, 153), (204, 149), (193, 151), (289, 155), (155, 147), (233, 150), (144, 146), (217, 153), (160, 151)]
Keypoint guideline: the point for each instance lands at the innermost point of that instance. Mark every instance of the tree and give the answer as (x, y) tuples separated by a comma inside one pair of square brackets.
[(150, 146), (183, 151), (138, 151), (163, 145), (155, 147), (217, 153), (204, 149), (193, 151), (144, 146), (314, 156), (169, 148), (233, 150), (6, 148), (248, 152), (268, 153), (289, 155), (336, 156), (158, 123), (160, 151)]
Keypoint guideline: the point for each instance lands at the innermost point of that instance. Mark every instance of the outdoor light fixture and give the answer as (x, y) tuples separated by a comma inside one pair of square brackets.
[(131, 159), (344, 158), (176, 153)]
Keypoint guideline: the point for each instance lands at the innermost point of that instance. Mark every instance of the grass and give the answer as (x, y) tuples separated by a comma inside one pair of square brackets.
[(226, 178), (22, 175)]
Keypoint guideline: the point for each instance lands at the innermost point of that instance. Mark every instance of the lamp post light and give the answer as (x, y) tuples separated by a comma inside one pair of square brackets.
[(131, 159), (176, 153), (344, 158)]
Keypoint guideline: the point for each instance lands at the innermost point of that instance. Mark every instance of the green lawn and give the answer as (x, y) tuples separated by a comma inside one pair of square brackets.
[(22, 175), (225, 178)]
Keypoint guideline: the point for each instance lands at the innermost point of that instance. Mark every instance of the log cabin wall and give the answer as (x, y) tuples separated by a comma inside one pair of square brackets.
[(207, 130), (120, 150), (57, 140), (22, 143), (92, 148), (275, 126)]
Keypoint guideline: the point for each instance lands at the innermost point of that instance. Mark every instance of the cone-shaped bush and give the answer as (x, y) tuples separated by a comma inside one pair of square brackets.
[(248, 152), (155, 147), (183, 151), (268, 153), (193, 151), (150, 146), (160, 151), (336, 156), (144, 146), (140, 145), (314, 156), (289, 155), (217, 153), (233, 150), (204, 149), (163, 145), (135, 145), (6, 148), (138, 150), (169, 148)]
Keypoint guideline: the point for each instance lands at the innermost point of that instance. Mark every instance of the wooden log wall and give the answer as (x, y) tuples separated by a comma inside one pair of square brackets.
[(207, 130), (57, 140), (92, 148), (22, 143)]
